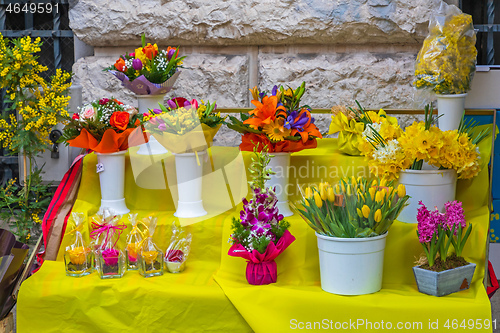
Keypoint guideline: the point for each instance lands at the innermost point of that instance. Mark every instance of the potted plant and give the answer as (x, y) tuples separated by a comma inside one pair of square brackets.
[(426, 159), (446, 63), (108, 127), (351, 221), (438, 273), (261, 233), (187, 129), (280, 123)]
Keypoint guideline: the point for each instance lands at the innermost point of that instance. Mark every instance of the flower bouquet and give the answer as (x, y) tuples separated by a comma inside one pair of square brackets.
[(148, 71), (350, 124), (393, 153), (438, 273), (351, 221), (178, 251), (78, 256), (184, 126), (446, 63), (261, 234), (278, 122)]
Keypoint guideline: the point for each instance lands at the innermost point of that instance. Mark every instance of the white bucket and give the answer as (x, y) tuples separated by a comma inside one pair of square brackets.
[(280, 164), (189, 184), (451, 107), (146, 102), (112, 181), (351, 266), (433, 187)]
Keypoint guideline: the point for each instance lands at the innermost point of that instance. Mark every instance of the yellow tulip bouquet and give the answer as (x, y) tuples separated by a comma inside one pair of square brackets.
[(353, 208), (447, 60), (389, 149), (350, 124)]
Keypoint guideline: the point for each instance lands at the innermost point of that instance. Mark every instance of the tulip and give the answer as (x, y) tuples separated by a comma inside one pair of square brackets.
[(317, 200), (353, 181), (374, 182), (322, 191), (366, 211), (343, 187), (156, 111), (361, 187), (360, 214), (379, 196), (330, 195), (401, 190), (372, 192), (348, 190), (383, 182), (378, 215), (170, 54), (137, 64), (337, 189), (308, 193)]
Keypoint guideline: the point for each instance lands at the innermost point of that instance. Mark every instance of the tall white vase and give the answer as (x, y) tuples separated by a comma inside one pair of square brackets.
[(280, 164), (146, 102), (433, 187), (451, 107), (189, 184), (112, 181)]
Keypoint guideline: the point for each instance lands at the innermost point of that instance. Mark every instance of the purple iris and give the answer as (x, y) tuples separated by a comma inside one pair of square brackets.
[(137, 64), (295, 121), (275, 90)]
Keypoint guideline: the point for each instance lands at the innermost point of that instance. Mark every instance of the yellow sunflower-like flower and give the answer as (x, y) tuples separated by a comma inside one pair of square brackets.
[(276, 131)]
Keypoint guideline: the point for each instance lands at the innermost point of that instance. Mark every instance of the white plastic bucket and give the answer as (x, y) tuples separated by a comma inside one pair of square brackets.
[(451, 107), (351, 266), (146, 102), (189, 184), (112, 181), (280, 164), (433, 187)]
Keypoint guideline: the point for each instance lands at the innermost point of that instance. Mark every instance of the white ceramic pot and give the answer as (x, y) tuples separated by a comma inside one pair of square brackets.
[(451, 107), (433, 187), (280, 164), (351, 266), (112, 181), (146, 102), (189, 184)]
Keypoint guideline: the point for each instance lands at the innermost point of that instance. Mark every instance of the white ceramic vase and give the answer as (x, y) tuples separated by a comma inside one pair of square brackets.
[(189, 184), (451, 107), (351, 266), (111, 170), (146, 102), (433, 187), (280, 164)]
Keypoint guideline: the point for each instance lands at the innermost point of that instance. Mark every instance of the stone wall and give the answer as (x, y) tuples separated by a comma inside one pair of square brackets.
[(344, 50)]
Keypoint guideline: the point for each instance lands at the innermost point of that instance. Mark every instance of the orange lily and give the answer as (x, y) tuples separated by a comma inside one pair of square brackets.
[(265, 112)]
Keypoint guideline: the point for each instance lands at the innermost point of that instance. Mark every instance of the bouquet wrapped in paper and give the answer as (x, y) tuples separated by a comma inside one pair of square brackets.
[(178, 249), (260, 234), (350, 124), (104, 126), (148, 71), (184, 126), (150, 257), (447, 60), (277, 122), (78, 257)]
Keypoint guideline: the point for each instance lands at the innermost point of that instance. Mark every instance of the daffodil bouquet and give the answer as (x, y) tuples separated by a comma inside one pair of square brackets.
[(350, 124), (278, 121), (148, 71), (447, 60), (389, 150), (353, 208), (184, 126)]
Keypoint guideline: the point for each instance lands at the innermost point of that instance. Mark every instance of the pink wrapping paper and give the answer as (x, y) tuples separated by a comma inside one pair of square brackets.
[(142, 86), (259, 267)]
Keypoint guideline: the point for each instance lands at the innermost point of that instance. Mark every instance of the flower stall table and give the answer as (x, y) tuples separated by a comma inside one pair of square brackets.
[(212, 293)]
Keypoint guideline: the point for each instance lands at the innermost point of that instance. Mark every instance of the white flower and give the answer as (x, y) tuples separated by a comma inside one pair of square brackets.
[(130, 109)]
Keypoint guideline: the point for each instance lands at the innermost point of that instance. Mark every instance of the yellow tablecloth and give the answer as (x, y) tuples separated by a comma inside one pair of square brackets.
[(212, 294)]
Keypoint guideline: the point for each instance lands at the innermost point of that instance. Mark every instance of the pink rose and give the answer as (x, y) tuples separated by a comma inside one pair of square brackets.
[(88, 112), (130, 109)]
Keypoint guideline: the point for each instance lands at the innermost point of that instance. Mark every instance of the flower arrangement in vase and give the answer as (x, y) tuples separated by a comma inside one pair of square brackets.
[(394, 153), (261, 233), (446, 63), (148, 71), (438, 273), (351, 221), (350, 124)]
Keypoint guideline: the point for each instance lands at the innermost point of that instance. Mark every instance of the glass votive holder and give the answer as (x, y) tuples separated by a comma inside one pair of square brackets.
[(150, 263), (78, 261), (111, 264), (131, 256)]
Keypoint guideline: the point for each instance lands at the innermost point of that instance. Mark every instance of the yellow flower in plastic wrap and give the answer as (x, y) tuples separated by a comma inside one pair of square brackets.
[(78, 255), (149, 256)]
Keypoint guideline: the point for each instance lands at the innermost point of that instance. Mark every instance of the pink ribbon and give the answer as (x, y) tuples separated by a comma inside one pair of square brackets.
[(109, 229)]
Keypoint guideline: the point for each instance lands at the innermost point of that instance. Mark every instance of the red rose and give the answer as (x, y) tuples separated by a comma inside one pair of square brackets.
[(120, 119), (76, 116), (174, 255)]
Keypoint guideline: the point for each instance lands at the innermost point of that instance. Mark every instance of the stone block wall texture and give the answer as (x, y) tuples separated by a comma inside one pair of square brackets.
[(343, 49)]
